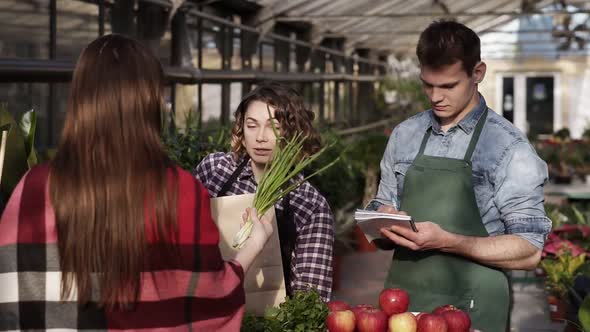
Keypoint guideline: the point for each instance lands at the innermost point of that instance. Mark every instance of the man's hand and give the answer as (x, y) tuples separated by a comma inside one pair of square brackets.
[(429, 236), (502, 251)]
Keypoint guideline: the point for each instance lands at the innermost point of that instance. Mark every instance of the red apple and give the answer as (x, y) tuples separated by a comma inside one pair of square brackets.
[(432, 323), (341, 321), (443, 308), (360, 307), (403, 322), (418, 316), (394, 301), (338, 305), (457, 320), (371, 320)]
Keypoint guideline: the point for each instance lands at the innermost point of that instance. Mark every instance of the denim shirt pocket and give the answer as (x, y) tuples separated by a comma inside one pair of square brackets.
[(400, 170)]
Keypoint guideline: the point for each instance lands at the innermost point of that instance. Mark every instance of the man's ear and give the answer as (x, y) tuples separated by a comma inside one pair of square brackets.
[(479, 72)]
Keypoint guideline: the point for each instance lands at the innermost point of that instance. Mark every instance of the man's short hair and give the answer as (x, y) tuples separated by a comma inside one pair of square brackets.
[(444, 43)]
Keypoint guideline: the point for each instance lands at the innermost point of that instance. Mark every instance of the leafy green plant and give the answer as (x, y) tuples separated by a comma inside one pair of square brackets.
[(584, 314), (20, 153), (343, 182), (580, 218), (303, 312), (188, 145), (563, 133), (366, 152), (409, 97), (554, 213), (561, 272)]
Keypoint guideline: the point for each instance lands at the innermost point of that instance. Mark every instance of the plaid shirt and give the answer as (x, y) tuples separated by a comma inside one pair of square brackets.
[(311, 260), (199, 291)]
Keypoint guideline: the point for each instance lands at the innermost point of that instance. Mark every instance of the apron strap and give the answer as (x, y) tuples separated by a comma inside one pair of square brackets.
[(475, 137), (287, 239), (424, 141), (227, 185)]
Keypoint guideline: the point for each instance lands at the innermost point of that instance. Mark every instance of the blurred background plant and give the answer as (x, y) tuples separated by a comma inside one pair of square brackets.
[(187, 144), (561, 272), (565, 157), (20, 154)]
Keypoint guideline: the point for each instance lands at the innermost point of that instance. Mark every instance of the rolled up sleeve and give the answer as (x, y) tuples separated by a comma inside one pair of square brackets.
[(519, 195)]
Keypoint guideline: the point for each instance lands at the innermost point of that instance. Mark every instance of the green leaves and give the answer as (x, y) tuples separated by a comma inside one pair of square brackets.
[(561, 272), (189, 147), (20, 153), (584, 314), (304, 312), (28, 125)]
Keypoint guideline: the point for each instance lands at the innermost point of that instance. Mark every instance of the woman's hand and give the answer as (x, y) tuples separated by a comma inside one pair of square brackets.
[(262, 229)]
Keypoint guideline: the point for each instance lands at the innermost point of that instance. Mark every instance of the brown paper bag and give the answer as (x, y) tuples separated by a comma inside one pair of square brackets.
[(264, 283)]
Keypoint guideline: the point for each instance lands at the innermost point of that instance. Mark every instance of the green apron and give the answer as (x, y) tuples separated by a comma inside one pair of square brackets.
[(440, 190)]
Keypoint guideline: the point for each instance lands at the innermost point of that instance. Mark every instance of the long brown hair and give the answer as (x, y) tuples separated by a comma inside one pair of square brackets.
[(290, 112), (110, 171)]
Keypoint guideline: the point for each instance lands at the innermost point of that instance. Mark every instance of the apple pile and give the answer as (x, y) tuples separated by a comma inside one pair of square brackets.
[(393, 316)]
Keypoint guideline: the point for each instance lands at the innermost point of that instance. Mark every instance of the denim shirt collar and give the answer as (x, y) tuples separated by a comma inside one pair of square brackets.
[(468, 123)]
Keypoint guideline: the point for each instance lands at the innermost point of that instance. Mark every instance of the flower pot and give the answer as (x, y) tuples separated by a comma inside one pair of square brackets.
[(362, 244), (557, 308)]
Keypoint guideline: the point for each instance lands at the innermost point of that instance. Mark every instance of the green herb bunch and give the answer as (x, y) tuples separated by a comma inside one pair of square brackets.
[(303, 312)]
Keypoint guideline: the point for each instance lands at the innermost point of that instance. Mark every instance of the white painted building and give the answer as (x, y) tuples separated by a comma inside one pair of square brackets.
[(539, 88)]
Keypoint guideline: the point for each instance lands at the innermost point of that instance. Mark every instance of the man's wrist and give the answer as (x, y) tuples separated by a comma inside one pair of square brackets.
[(452, 242)]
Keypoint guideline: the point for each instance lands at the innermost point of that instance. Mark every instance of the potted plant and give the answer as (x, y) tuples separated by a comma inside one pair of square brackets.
[(561, 273)]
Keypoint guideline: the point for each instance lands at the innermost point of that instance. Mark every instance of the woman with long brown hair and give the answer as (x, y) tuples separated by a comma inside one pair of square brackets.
[(111, 234), (304, 219)]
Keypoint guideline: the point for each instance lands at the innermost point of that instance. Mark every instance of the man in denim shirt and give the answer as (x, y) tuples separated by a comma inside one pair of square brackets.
[(471, 180)]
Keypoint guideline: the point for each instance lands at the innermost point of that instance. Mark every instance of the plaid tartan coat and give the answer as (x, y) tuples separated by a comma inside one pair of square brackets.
[(200, 292)]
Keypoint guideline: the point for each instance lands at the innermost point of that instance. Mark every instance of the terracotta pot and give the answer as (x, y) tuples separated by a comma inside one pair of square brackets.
[(336, 268), (557, 308), (361, 241)]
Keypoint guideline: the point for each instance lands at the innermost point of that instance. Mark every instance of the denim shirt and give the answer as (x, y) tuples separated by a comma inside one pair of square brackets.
[(508, 176)]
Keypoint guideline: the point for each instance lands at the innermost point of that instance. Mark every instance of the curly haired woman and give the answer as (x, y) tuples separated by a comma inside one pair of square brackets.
[(304, 218)]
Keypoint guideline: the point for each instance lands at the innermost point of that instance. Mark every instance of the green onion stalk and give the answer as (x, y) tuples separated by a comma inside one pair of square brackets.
[(286, 162)]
